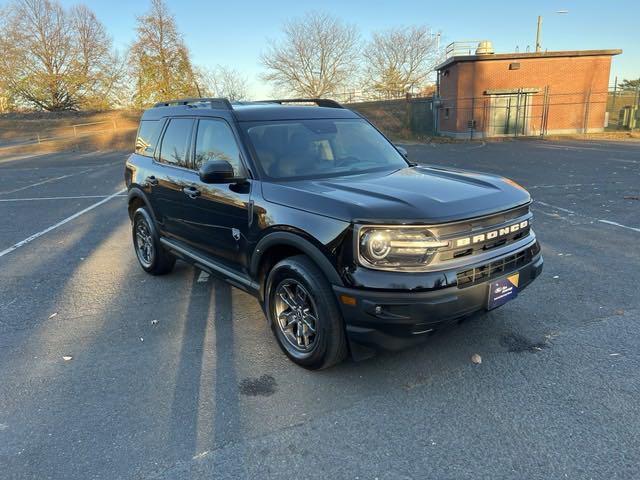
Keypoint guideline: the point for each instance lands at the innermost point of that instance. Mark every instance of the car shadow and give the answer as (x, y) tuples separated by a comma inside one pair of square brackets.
[(200, 418), (183, 430)]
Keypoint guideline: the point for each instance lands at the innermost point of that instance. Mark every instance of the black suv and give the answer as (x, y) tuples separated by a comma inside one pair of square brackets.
[(348, 246)]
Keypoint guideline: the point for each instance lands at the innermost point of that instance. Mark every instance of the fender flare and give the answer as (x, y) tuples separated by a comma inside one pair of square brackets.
[(137, 193), (297, 241)]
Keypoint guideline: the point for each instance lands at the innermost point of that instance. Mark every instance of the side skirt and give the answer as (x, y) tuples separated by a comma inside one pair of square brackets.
[(201, 261)]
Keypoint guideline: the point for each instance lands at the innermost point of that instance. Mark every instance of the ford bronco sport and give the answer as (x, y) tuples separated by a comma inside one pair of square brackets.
[(348, 246)]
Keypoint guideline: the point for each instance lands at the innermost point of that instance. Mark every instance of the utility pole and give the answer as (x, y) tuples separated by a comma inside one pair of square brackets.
[(539, 30), (538, 33)]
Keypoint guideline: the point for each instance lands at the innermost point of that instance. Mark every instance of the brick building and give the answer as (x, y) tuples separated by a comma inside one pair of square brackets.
[(491, 95)]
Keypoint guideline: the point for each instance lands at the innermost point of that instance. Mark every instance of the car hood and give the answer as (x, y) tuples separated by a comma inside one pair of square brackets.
[(413, 194)]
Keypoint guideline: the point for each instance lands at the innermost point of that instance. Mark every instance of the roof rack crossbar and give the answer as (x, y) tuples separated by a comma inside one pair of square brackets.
[(321, 102), (213, 102)]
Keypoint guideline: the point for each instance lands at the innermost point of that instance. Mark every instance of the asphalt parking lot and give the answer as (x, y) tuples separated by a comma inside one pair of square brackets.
[(178, 377)]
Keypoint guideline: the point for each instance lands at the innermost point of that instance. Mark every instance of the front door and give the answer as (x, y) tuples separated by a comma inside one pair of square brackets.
[(216, 216)]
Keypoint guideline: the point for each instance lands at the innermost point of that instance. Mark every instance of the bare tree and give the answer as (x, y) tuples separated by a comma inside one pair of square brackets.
[(159, 58), (317, 57), (52, 58), (6, 96), (99, 69), (399, 59), (224, 82)]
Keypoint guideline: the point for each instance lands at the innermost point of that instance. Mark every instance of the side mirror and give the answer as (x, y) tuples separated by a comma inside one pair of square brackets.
[(402, 151), (217, 171)]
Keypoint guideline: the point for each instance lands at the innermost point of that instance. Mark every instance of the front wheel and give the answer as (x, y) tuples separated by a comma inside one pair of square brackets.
[(303, 314), (153, 258)]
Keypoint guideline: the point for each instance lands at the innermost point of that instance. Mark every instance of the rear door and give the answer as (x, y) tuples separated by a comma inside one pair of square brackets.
[(216, 216), (149, 132), (173, 176)]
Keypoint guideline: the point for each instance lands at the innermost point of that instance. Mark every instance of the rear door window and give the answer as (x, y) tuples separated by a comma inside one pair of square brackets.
[(175, 142), (215, 141)]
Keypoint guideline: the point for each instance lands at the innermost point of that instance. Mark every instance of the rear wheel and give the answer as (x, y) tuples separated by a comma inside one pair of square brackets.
[(303, 314), (153, 258)]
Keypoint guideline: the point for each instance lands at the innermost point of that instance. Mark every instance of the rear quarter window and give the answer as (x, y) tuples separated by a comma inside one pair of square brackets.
[(174, 147), (147, 139)]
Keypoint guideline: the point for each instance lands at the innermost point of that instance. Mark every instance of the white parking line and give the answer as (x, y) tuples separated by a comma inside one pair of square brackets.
[(6, 192), (623, 160), (60, 223), (38, 155), (609, 222), (604, 148), (567, 147), (54, 198), (571, 212), (22, 157), (566, 210), (566, 185), (48, 180)]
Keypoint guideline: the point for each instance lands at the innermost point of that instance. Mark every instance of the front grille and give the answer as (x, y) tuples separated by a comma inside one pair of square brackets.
[(474, 231), (497, 268), (484, 246)]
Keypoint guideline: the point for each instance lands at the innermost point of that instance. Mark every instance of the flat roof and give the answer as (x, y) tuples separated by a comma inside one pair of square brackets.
[(528, 55)]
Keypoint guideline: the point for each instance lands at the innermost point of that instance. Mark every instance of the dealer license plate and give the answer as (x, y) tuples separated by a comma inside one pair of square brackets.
[(503, 290)]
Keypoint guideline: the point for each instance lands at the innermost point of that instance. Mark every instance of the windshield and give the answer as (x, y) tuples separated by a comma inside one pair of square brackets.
[(317, 148)]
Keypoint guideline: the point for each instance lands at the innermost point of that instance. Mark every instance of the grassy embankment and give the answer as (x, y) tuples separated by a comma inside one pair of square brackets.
[(43, 132)]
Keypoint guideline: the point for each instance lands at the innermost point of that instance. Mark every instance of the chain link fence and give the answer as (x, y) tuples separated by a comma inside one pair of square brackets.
[(503, 113), (538, 113)]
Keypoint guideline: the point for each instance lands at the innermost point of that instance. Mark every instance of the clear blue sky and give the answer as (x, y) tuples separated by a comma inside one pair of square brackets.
[(234, 33)]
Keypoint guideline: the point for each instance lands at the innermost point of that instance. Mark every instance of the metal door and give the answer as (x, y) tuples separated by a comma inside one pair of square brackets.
[(509, 114)]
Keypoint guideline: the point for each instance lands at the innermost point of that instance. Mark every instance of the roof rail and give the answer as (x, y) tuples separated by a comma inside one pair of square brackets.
[(321, 102), (213, 103)]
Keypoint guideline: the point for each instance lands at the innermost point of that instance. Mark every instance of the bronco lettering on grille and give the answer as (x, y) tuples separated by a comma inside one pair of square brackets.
[(492, 235)]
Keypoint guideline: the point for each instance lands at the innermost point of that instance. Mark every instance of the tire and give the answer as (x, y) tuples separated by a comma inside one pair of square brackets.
[(297, 297), (152, 257)]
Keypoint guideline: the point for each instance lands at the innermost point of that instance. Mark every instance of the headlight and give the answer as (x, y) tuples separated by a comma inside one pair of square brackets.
[(396, 248)]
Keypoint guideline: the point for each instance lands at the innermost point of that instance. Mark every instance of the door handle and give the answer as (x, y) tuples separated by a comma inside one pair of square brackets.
[(151, 180), (191, 192)]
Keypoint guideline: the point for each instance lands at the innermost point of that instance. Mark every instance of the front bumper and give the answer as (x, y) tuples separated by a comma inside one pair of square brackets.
[(395, 319)]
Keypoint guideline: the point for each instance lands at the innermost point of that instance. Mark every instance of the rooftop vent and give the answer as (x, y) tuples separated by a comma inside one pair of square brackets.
[(485, 47)]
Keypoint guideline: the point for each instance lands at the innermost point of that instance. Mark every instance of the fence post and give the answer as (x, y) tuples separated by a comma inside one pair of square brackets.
[(545, 111), (543, 106), (485, 116), (517, 111), (586, 113), (473, 104), (613, 107), (113, 120), (75, 133)]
